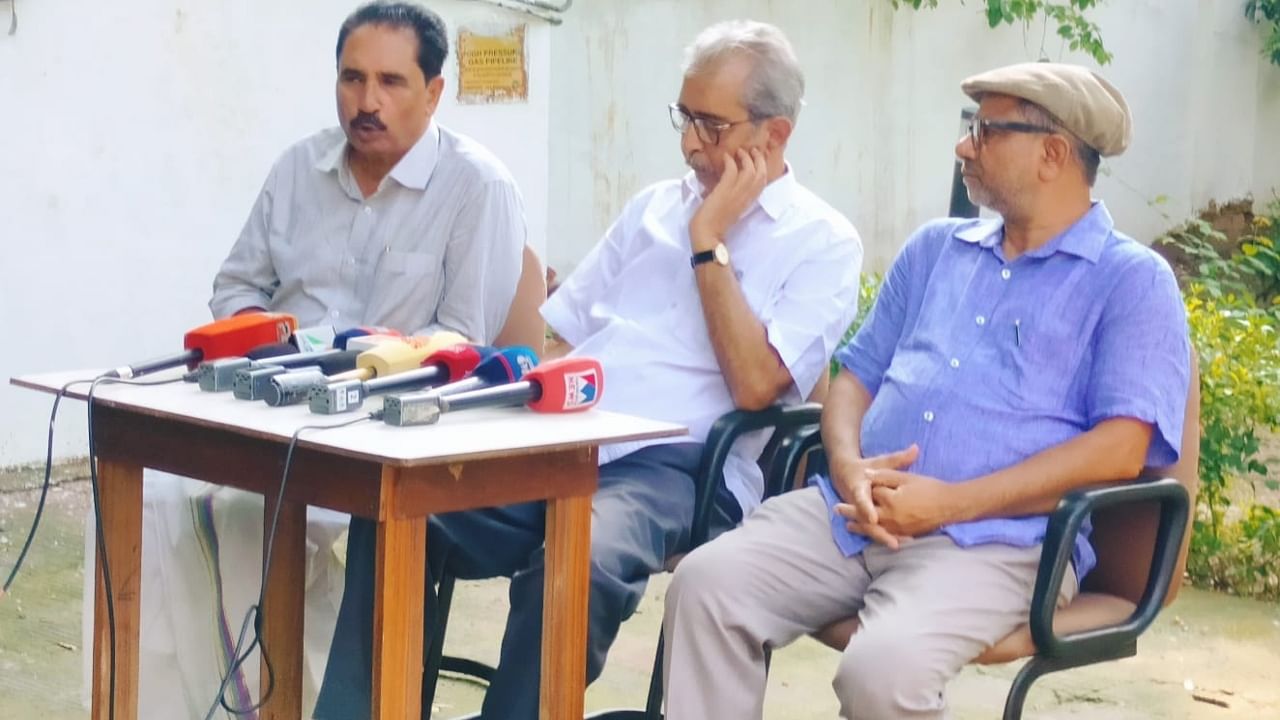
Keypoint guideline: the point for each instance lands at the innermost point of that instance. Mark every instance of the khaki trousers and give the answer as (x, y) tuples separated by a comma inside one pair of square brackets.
[(926, 610)]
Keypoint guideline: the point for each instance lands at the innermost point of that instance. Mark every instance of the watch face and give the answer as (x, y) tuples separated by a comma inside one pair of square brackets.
[(721, 254)]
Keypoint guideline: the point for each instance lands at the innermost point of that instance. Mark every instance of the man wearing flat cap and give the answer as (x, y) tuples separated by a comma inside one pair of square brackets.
[(1006, 363)]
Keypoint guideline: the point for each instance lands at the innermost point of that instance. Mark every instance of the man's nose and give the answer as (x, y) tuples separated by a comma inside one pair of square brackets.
[(371, 98), (689, 140)]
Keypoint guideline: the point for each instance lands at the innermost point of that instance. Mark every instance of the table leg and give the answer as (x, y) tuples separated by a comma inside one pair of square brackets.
[(120, 491), (397, 618), (284, 605), (564, 609)]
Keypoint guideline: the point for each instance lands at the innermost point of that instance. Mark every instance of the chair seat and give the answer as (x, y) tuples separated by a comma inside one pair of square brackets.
[(1088, 611)]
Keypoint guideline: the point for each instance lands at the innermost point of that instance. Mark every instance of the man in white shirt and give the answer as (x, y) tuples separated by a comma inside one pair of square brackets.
[(728, 288), (388, 219)]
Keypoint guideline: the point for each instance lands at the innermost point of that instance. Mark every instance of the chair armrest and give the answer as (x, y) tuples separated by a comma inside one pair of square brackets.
[(727, 429), (1064, 526), (791, 448)]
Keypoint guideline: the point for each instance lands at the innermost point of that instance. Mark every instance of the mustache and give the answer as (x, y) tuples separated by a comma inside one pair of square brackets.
[(698, 163), (367, 120)]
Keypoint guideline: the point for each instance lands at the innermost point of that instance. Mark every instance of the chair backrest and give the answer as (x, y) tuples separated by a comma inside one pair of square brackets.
[(524, 325), (1124, 535)]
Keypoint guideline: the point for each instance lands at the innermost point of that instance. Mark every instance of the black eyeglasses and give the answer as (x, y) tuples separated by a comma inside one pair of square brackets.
[(978, 128), (708, 130)]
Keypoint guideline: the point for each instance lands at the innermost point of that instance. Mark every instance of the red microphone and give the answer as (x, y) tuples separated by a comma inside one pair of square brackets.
[(229, 337), (569, 384), (441, 366)]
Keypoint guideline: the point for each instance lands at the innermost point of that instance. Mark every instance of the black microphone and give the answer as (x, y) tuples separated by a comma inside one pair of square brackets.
[(256, 383), (219, 375)]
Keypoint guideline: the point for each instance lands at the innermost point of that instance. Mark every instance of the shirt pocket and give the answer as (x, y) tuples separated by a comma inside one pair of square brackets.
[(406, 285), (408, 263), (1039, 359)]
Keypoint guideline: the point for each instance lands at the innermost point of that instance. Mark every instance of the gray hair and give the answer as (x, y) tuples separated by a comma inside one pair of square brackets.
[(775, 87), (1088, 157)]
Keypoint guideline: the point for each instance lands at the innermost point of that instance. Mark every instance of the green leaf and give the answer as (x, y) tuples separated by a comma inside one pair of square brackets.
[(995, 12)]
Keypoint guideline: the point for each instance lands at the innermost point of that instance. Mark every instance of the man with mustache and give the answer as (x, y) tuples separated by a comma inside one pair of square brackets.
[(389, 219), (727, 288), (1006, 363)]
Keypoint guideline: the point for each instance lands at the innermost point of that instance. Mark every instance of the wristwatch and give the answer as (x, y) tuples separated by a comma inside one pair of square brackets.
[(719, 253)]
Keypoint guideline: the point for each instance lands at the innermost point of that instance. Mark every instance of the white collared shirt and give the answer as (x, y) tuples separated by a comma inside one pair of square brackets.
[(633, 303), (437, 246)]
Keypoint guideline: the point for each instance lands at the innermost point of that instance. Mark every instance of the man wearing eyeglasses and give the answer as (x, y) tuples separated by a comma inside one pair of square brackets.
[(1006, 363), (727, 288)]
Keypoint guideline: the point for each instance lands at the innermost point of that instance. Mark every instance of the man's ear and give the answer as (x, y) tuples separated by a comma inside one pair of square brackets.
[(1055, 155), (778, 131), (435, 90)]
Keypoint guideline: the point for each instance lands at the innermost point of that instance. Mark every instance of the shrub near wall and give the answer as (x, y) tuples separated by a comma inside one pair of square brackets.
[(1233, 311)]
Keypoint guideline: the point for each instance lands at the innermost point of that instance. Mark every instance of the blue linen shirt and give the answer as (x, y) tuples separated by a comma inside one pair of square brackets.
[(984, 363)]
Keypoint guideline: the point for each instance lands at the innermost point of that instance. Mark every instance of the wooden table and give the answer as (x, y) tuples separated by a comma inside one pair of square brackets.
[(395, 476)]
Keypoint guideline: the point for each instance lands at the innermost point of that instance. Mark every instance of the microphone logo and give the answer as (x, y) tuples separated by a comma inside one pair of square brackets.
[(580, 389), (525, 362)]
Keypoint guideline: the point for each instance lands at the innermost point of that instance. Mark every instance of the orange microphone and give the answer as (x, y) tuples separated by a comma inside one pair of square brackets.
[(229, 337)]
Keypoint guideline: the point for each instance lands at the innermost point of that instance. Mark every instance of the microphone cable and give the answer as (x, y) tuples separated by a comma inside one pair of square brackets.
[(97, 511), (44, 490), (100, 533), (253, 616)]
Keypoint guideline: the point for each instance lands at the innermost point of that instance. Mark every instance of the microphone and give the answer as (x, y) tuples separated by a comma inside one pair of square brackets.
[(340, 339), (559, 386), (227, 337), (219, 375), (251, 383), (507, 365), (290, 387), (454, 361), (395, 357), (386, 359)]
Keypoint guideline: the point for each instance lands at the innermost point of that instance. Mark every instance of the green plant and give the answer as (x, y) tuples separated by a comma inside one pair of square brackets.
[(1239, 353), (1073, 26), (1267, 13), (1232, 294), (1245, 560), (868, 289), (1252, 269)]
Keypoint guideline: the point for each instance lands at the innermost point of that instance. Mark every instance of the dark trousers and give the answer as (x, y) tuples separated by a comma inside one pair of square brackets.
[(640, 516)]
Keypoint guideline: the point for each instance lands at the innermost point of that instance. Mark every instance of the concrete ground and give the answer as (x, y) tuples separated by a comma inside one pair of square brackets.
[(1208, 657)]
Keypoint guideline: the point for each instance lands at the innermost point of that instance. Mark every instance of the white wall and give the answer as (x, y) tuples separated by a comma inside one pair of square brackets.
[(134, 137), (877, 134)]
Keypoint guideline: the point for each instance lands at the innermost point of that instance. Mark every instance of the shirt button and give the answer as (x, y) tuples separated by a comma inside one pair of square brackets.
[(1005, 273), (955, 362), (928, 416), (368, 210), (980, 320), (333, 314)]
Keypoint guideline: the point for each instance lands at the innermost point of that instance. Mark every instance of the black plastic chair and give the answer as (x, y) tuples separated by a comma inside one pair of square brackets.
[(724, 432)]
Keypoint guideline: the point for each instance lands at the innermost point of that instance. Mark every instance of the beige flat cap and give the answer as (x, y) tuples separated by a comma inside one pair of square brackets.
[(1083, 101)]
